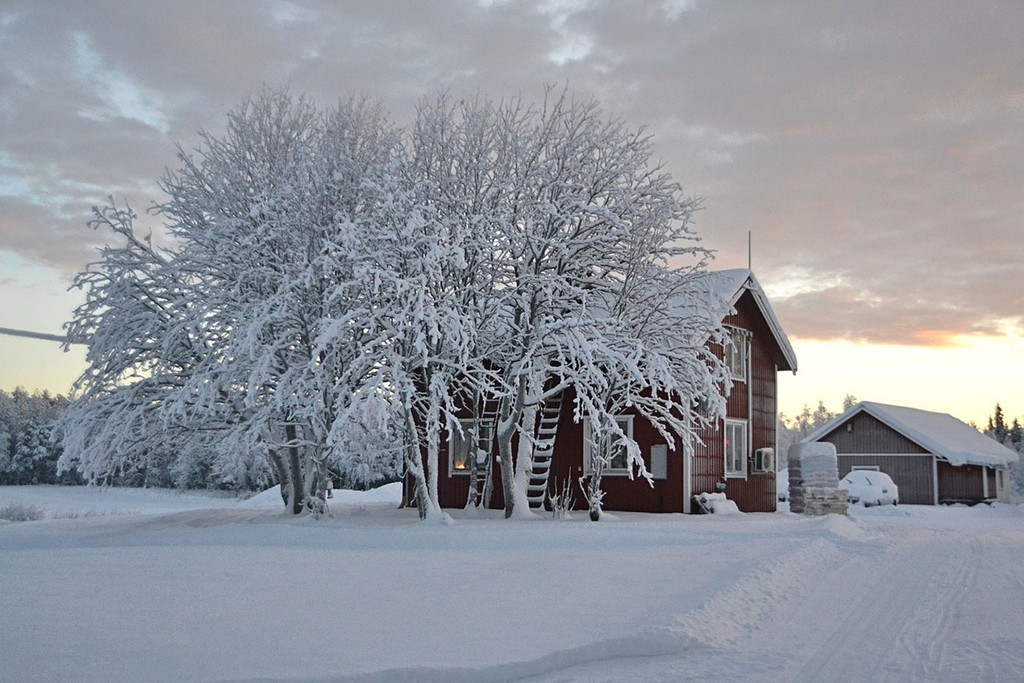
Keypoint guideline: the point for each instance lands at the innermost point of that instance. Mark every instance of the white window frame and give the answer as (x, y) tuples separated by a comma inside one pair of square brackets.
[(457, 444), (736, 353), (626, 425), (865, 468), (731, 441)]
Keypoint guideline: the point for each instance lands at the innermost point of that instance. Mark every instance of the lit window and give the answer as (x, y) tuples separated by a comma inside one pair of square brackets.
[(735, 448), (618, 459), (459, 453), (736, 353)]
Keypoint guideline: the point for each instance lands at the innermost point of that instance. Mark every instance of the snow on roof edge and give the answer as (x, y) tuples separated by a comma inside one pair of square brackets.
[(730, 285), (940, 433)]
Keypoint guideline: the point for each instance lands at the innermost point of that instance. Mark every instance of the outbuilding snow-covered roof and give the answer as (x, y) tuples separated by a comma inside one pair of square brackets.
[(939, 433)]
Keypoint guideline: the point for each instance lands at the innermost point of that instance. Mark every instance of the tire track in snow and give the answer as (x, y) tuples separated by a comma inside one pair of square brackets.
[(757, 597), (958, 579), (707, 640), (890, 617), (994, 651)]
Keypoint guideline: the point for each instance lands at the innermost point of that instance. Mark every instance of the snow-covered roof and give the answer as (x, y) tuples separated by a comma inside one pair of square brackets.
[(730, 286), (939, 433)]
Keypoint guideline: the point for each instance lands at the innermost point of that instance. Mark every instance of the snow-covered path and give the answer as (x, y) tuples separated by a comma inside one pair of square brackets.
[(887, 599), (243, 593), (925, 605)]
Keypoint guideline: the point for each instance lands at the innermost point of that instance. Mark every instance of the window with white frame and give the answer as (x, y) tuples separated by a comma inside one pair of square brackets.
[(618, 461), (735, 448), (474, 442), (736, 353)]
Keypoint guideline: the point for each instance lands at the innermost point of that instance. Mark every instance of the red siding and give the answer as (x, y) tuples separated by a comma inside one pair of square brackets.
[(621, 492), (708, 461), (753, 400), (961, 484)]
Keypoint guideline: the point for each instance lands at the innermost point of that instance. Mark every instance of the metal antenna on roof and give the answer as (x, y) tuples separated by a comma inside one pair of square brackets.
[(750, 258)]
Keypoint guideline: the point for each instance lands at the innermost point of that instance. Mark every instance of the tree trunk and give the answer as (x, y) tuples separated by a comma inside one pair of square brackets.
[(295, 465), (524, 460), (426, 505), (283, 480), (509, 415)]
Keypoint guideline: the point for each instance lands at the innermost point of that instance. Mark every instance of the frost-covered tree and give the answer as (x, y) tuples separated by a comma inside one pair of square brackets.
[(574, 248), (1011, 436), (611, 298), (270, 206), (335, 287), (790, 431), (997, 425), (213, 340), (28, 449), (658, 363), (423, 286), (142, 345), (807, 421)]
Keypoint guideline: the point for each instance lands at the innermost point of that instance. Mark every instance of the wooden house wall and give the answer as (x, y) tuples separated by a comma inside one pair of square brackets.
[(621, 492), (637, 495), (913, 473), (708, 461), (865, 441), (753, 493), (863, 433), (961, 484), (755, 401), (452, 487)]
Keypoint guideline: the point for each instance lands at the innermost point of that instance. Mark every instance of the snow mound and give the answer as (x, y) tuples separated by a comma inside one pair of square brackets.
[(654, 643), (718, 504), (389, 493), (844, 527)]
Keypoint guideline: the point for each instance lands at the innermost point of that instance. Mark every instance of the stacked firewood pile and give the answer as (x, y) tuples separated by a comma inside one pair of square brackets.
[(814, 480)]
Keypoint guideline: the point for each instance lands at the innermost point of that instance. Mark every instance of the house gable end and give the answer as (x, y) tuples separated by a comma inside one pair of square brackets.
[(860, 432), (735, 285)]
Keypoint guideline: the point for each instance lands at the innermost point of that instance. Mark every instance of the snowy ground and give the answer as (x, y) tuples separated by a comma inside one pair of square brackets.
[(122, 585)]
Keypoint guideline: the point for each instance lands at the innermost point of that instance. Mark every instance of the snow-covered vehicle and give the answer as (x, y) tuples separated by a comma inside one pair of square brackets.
[(869, 487), (782, 483)]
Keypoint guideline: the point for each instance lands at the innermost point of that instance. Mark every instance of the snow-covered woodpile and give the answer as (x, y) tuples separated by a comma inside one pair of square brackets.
[(814, 480)]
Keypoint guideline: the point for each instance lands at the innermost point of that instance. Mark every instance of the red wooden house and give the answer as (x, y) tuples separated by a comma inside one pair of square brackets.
[(738, 452), (933, 457)]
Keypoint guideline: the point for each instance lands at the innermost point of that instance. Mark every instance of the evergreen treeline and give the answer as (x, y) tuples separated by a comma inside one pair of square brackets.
[(28, 449), (1010, 435)]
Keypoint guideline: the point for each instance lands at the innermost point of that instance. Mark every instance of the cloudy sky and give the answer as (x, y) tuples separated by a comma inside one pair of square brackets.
[(875, 150)]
